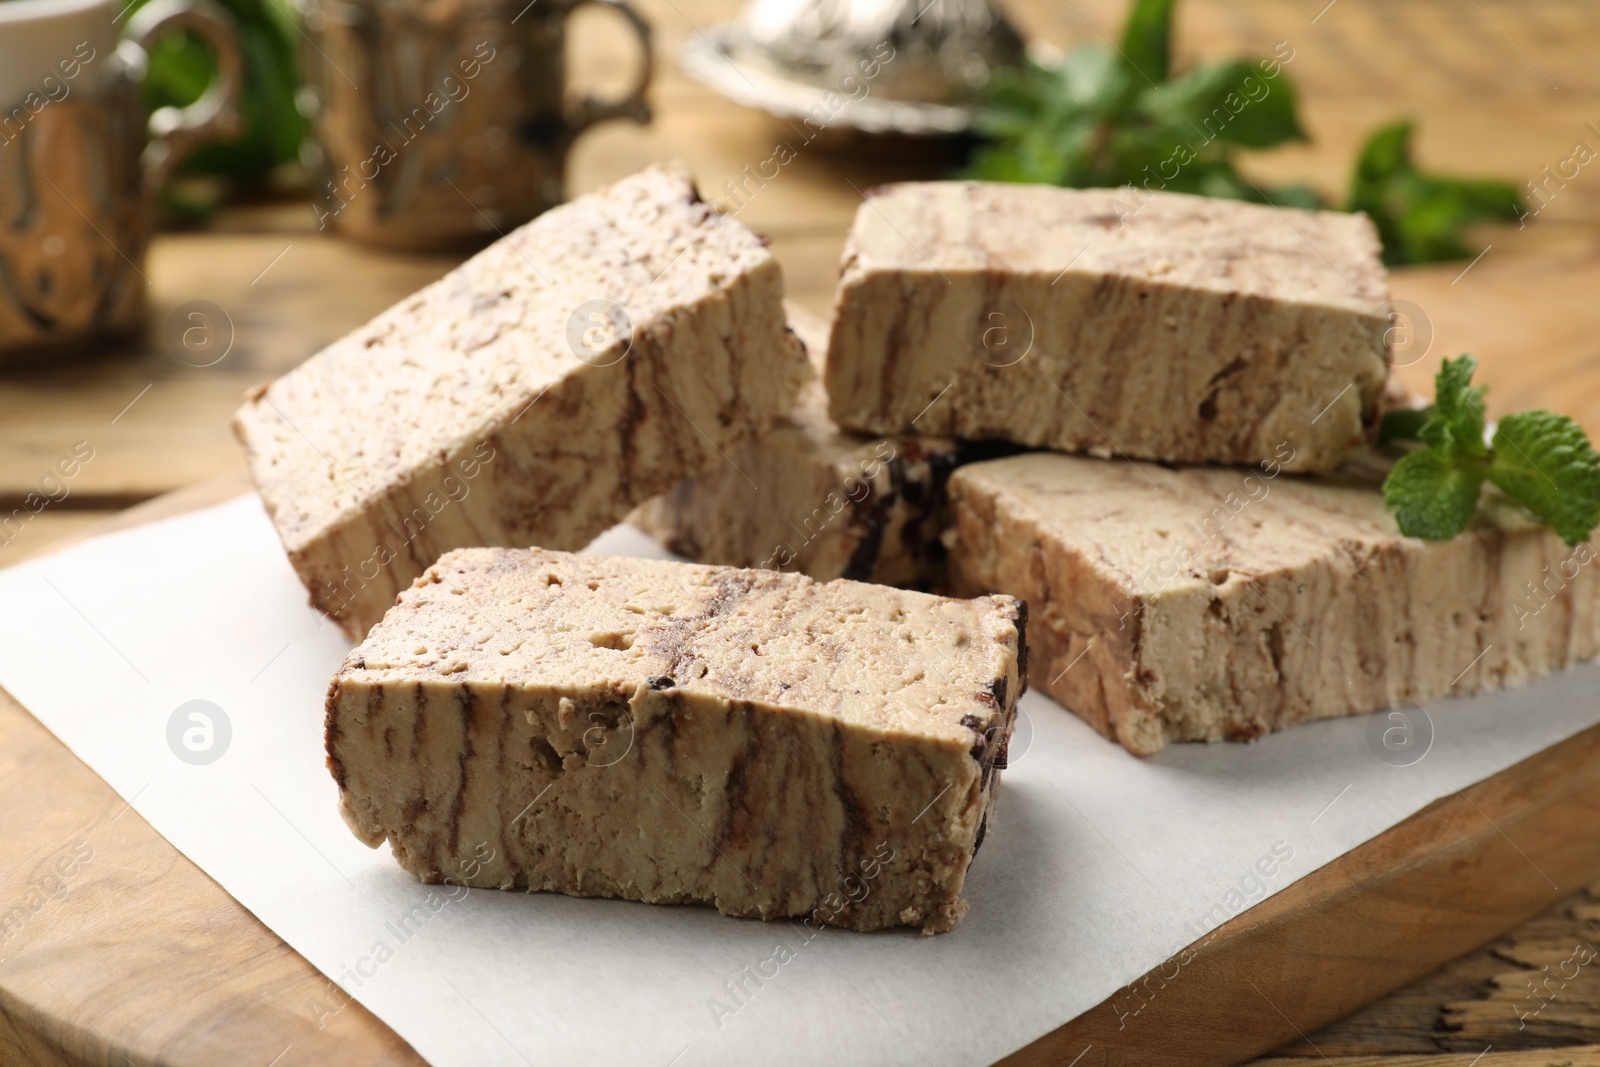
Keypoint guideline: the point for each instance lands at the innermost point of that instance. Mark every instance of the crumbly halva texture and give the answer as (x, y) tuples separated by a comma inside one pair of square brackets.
[(675, 733), (1168, 327), (812, 498), (535, 395), (1211, 604)]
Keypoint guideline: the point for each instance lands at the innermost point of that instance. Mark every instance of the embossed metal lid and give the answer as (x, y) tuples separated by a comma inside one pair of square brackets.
[(907, 66)]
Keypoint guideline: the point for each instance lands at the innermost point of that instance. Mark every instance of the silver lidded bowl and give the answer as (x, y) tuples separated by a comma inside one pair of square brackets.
[(904, 66)]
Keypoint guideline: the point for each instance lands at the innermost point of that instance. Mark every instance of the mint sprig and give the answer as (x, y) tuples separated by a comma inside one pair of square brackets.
[(1116, 116), (1541, 460), (1432, 497), (1421, 217), (1545, 462), (1108, 116)]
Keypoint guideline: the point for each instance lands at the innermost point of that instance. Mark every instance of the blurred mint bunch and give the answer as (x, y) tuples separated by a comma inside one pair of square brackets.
[(1109, 117), (1106, 116), (1420, 216), (180, 69)]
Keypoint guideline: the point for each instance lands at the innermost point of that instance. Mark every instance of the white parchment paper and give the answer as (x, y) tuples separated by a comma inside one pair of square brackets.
[(1098, 867)]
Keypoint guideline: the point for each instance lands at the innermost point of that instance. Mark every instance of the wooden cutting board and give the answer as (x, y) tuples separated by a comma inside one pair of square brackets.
[(140, 958)]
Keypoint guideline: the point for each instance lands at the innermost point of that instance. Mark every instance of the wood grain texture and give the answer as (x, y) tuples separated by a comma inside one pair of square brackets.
[(1586, 1056), (1528, 990), (143, 960), (1465, 869), (115, 948)]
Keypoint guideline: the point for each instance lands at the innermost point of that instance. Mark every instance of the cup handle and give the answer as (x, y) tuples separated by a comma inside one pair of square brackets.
[(175, 132), (587, 110)]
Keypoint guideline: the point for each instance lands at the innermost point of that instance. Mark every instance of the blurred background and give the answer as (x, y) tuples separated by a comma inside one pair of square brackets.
[(1500, 92), (1497, 89)]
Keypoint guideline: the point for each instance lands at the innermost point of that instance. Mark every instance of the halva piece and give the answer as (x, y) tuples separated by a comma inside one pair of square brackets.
[(535, 395), (676, 733), (1211, 604), (1116, 322)]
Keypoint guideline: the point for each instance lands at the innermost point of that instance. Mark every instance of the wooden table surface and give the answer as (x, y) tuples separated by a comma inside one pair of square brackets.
[(1498, 88)]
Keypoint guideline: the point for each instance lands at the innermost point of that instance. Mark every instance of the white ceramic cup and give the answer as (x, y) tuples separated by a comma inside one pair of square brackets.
[(52, 48)]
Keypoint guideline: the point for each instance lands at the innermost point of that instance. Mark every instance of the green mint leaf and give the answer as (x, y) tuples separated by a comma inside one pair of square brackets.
[(1479, 197), (1542, 461), (1459, 405), (1421, 217), (1404, 424), (1236, 102), (1431, 497), (1043, 123), (1103, 116), (1439, 435), (1147, 39), (1386, 153), (1545, 463), (1088, 78)]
